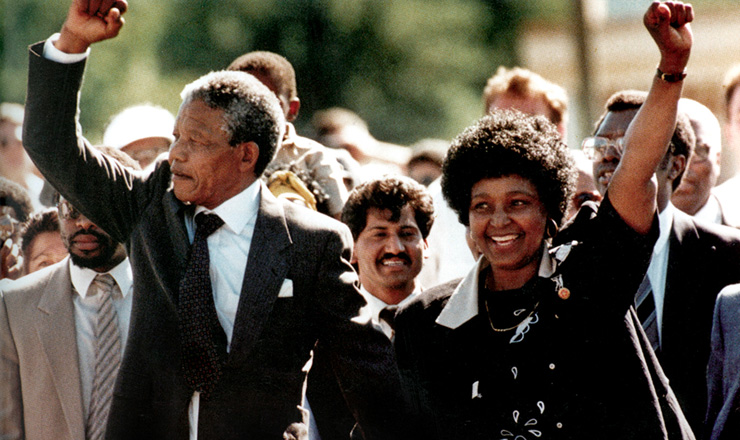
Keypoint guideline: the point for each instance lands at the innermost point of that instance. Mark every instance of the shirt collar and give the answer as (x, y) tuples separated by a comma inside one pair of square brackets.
[(233, 210), (463, 304), (711, 211), (665, 223), (83, 277), (371, 310), (290, 132)]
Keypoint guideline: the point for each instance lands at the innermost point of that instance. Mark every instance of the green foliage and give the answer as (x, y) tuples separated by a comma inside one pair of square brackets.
[(411, 68)]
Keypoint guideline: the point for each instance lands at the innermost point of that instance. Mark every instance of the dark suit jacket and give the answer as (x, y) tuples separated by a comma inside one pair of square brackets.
[(40, 389), (582, 370), (260, 393), (703, 258)]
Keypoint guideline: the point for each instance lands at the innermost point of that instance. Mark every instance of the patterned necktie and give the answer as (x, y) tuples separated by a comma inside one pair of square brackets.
[(202, 338), (645, 306), (107, 355)]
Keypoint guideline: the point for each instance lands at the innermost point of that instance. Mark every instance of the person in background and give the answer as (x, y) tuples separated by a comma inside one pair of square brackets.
[(425, 164), (41, 241), (694, 195), (390, 218), (585, 187), (727, 191), (540, 341), (15, 165), (15, 208), (62, 334), (344, 130), (276, 72), (142, 131), (521, 89)]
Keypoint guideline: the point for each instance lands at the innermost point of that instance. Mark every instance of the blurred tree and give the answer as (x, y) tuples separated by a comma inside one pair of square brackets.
[(411, 68)]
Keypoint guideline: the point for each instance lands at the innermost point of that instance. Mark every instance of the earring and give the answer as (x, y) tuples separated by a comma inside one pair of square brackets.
[(551, 229)]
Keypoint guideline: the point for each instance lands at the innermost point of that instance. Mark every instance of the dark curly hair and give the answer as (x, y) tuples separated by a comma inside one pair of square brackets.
[(393, 193), (15, 196), (38, 223), (507, 143)]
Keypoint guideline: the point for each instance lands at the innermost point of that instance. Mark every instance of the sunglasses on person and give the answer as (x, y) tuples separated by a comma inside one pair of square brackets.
[(67, 211), (595, 147)]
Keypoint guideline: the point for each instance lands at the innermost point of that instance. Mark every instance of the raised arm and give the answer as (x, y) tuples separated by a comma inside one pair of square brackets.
[(633, 190), (90, 21)]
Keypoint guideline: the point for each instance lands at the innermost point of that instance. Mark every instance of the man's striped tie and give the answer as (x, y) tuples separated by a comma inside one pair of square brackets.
[(645, 306), (107, 356)]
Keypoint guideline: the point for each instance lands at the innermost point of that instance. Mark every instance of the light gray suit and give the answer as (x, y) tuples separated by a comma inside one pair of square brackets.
[(723, 374), (40, 390)]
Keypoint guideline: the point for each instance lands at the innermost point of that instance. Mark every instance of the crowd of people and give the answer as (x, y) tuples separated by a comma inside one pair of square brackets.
[(215, 275)]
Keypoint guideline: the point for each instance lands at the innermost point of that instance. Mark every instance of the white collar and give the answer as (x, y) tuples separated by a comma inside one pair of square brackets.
[(83, 277), (711, 212), (665, 223), (371, 311), (233, 210), (463, 304)]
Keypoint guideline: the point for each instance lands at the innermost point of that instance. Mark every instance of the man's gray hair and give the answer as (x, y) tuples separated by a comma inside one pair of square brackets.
[(252, 113)]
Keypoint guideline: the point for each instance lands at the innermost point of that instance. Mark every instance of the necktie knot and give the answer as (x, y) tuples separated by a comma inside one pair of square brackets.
[(206, 224), (103, 283), (388, 314)]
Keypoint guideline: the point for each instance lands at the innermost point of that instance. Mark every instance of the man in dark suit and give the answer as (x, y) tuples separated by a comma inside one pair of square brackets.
[(390, 219), (691, 262), (220, 333)]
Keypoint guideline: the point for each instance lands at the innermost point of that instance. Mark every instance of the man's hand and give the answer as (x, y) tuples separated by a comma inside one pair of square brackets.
[(90, 21), (668, 24), (11, 262)]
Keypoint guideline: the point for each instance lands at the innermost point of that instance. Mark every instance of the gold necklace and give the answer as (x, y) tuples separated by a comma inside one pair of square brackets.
[(488, 314)]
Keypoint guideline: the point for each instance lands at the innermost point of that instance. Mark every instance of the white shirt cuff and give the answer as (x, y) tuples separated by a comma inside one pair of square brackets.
[(51, 53)]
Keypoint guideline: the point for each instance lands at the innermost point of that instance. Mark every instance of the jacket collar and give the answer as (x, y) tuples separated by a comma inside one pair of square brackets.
[(463, 304)]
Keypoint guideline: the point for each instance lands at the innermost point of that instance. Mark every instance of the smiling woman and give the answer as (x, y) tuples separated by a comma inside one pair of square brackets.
[(526, 344)]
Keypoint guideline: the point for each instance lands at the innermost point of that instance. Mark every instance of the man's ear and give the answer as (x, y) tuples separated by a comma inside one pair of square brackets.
[(678, 165), (250, 152), (293, 107), (425, 248)]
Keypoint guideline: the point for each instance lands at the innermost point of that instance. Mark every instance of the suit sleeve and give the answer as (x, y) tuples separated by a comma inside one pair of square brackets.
[(362, 357), (11, 401), (715, 368), (107, 192)]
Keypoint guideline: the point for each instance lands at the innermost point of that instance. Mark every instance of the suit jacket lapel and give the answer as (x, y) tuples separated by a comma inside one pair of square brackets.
[(267, 267), (56, 329), (684, 262), (174, 215)]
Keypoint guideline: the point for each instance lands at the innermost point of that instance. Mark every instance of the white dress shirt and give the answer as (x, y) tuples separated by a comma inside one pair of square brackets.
[(228, 249), (375, 305), (711, 212), (86, 312), (659, 264)]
